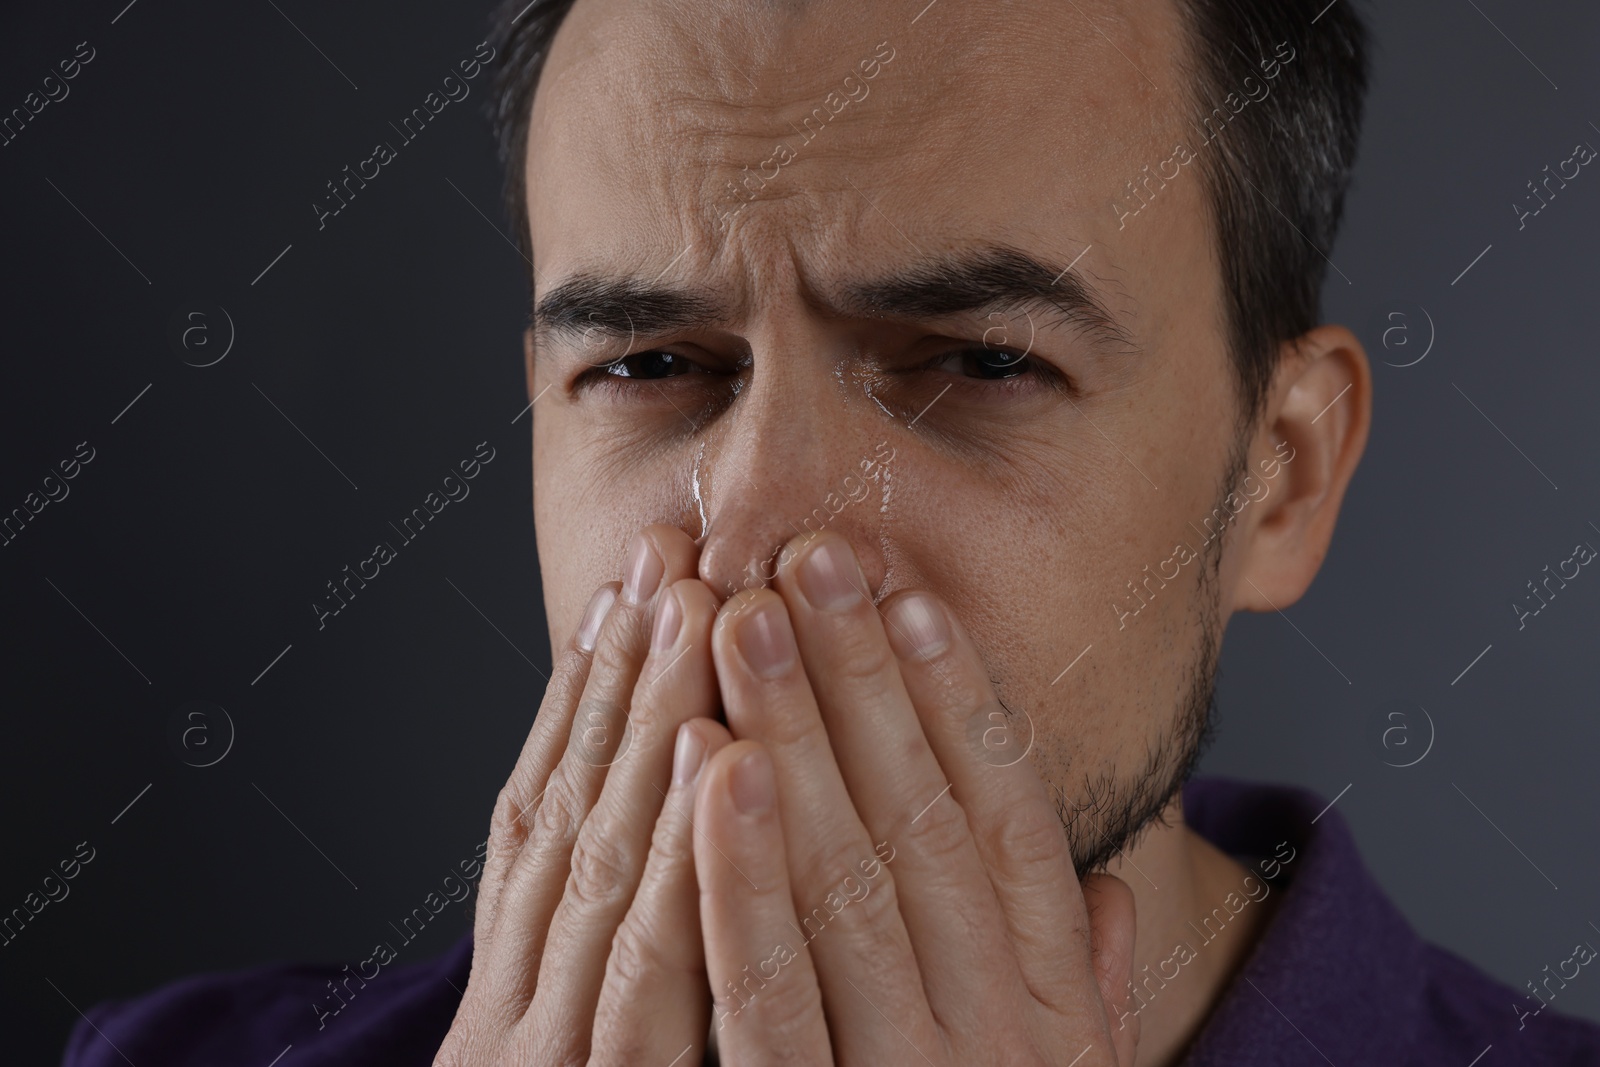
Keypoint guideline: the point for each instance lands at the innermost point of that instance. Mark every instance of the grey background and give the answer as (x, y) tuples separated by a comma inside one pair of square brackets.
[(368, 755), (1451, 514)]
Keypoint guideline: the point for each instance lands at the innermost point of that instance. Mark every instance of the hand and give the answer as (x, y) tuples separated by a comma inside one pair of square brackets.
[(875, 886), (586, 942)]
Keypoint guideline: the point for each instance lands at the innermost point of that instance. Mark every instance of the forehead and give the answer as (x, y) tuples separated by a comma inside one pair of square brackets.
[(746, 138)]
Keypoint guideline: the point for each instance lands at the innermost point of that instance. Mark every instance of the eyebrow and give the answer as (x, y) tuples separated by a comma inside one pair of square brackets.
[(991, 277)]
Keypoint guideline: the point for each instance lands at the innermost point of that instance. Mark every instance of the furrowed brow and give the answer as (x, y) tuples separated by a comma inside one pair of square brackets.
[(624, 307), (993, 278)]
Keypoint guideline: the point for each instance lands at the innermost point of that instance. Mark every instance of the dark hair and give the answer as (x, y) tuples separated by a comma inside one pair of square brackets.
[(521, 33), (1275, 176)]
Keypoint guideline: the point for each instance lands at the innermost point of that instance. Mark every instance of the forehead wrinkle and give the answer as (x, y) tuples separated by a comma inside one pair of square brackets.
[(695, 63), (675, 66), (668, 113), (732, 68)]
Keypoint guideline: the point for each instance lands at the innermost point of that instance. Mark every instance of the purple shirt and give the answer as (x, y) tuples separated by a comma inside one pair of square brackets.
[(1338, 977)]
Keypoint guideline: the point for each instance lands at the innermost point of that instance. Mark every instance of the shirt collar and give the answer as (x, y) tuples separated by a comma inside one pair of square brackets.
[(1338, 974)]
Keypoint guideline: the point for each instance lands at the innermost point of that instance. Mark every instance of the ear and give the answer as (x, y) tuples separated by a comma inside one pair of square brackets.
[(1304, 453)]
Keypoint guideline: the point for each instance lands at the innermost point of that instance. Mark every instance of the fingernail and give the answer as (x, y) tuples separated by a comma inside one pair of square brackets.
[(669, 620), (594, 615), (644, 572), (751, 784), (765, 640), (830, 577), (918, 626), (688, 756)]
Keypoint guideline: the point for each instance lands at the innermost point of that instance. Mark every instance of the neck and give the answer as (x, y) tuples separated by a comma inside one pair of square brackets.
[(1199, 913)]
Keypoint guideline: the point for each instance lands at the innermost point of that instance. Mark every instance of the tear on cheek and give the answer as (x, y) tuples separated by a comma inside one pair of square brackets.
[(696, 508)]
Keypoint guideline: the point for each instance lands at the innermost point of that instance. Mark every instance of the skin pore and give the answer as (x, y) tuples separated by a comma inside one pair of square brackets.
[(1025, 490)]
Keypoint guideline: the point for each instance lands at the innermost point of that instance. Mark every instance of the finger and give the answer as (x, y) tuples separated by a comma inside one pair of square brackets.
[(534, 884), (983, 750), (767, 1002), (1112, 925), (847, 899), (540, 751), (655, 1004), (678, 683), (898, 786)]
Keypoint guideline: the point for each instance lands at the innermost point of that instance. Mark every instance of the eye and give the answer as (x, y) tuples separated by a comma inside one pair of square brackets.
[(989, 363), (649, 366)]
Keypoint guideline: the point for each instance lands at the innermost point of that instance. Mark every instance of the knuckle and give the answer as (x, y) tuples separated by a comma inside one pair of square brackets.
[(647, 719), (567, 679), (994, 734), (829, 862), (633, 959), (940, 833), (876, 911), (860, 656), (792, 723), (601, 735), (1030, 837), (638, 961), (671, 845), (602, 869), (962, 701), (864, 909), (783, 1009), (618, 653), (507, 826), (641, 967), (557, 816)]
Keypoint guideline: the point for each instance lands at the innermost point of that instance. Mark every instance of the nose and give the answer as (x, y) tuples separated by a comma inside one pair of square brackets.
[(795, 454)]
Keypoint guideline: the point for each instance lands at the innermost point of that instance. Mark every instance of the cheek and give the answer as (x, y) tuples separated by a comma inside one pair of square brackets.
[(1035, 556), (586, 508), (1028, 550), (1118, 704)]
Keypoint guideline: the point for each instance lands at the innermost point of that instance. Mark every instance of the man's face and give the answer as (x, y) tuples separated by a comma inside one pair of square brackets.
[(817, 380)]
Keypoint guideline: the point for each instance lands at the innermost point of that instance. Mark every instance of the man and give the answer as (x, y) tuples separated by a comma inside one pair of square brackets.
[(937, 380)]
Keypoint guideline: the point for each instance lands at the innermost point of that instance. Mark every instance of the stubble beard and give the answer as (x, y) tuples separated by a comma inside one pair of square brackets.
[(1110, 812)]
